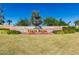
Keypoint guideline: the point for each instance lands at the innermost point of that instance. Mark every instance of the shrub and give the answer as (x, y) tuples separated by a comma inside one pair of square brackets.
[(13, 32), (69, 31), (7, 31), (3, 31), (77, 30), (66, 30), (69, 28), (58, 32)]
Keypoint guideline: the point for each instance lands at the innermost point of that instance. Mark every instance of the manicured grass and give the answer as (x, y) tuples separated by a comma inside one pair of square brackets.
[(39, 44)]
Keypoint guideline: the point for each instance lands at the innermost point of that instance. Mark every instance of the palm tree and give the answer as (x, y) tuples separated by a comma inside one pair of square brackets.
[(63, 23), (2, 16), (2, 21), (9, 21)]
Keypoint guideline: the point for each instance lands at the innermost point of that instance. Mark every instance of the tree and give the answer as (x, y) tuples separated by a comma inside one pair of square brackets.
[(49, 21), (69, 22), (9, 21), (22, 22), (1, 16), (76, 23), (62, 23), (2, 21)]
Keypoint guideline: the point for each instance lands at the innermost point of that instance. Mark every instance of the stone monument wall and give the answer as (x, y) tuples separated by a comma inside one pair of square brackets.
[(30, 29)]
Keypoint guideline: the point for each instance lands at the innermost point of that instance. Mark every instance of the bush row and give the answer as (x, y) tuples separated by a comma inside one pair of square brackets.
[(9, 32), (65, 30)]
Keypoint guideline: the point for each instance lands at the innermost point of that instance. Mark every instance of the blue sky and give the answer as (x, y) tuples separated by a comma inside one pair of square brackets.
[(69, 12)]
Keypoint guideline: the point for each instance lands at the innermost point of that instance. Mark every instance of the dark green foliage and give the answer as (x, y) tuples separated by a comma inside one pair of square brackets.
[(1, 16), (23, 22), (7, 31), (58, 32), (2, 21), (69, 31), (13, 32), (69, 28), (9, 21), (62, 23), (76, 22), (51, 21), (77, 30), (66, 30), (3, 31)]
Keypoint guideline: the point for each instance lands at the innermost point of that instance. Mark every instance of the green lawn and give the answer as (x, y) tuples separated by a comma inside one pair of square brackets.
[(39, 44)]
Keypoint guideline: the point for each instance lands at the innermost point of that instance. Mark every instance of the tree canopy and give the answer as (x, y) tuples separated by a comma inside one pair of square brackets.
[(76, 22), (49, 21), (1, 16), (62, 23), (9, 21), (22, 22)]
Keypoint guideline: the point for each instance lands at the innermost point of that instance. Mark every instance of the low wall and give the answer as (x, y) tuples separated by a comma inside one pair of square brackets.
[(30, 29)]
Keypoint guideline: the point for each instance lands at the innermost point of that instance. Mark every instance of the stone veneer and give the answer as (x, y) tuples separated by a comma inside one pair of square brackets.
[(30, 29)]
